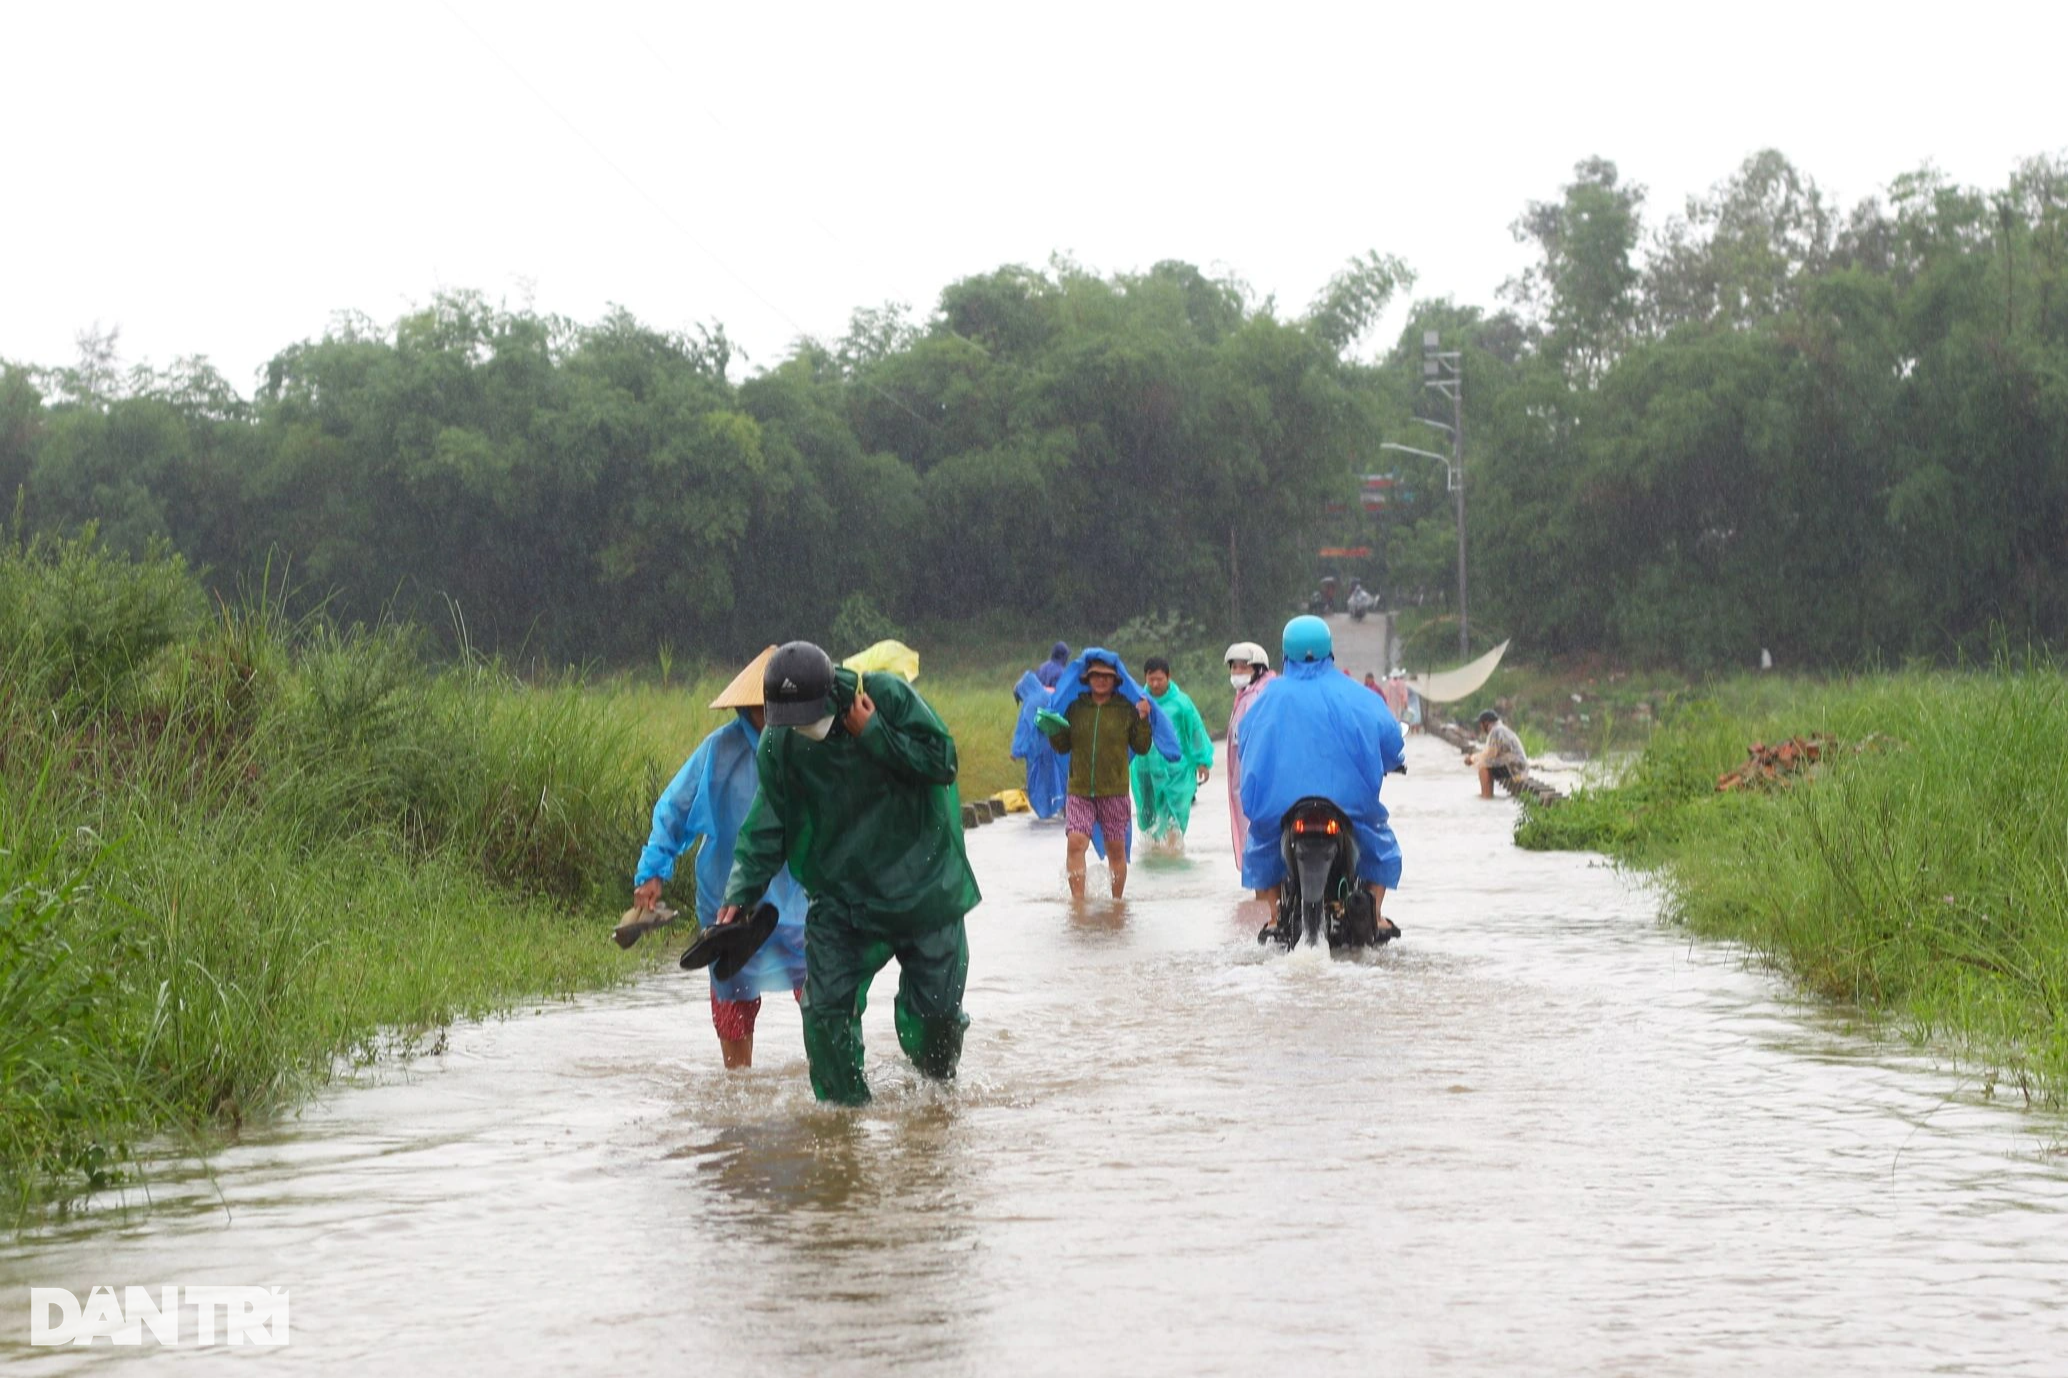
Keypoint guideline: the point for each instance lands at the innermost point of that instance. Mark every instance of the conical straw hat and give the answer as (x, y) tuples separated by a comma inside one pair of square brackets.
[(745, 689)]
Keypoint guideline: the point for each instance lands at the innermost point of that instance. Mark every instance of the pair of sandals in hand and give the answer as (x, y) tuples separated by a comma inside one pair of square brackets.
[(723, 947)]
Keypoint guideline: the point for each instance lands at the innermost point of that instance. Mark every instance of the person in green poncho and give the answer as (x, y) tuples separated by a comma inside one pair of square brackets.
[(1164, 790), (857, 794)]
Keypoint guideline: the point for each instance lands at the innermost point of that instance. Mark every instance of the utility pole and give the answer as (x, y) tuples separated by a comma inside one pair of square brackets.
[(1234, 587), (1443, 370)]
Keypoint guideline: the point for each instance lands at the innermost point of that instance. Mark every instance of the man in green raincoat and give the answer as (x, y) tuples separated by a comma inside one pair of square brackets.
[(857, 795), (1164, 789)]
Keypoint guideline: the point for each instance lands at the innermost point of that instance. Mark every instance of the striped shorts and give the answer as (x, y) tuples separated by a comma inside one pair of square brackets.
[(1113, 814)]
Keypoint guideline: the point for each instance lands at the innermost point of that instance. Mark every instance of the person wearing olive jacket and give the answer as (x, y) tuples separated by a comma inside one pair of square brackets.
[(1100, 718), (858, 796)]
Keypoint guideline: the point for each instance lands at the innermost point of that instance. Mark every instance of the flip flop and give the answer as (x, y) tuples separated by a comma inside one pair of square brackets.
[(638, 922), (726, 947)]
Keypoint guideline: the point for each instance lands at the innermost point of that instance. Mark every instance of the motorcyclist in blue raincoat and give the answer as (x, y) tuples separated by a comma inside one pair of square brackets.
[(1318, 733), (709, 798)]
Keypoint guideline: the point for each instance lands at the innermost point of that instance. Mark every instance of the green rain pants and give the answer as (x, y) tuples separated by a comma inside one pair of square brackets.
[(839, 962)]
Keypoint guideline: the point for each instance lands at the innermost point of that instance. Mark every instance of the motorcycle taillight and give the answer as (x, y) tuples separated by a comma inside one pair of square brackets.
[(1316, 825)]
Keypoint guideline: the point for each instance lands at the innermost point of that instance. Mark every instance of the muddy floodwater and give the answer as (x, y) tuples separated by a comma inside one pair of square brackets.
[(1545, 1133)]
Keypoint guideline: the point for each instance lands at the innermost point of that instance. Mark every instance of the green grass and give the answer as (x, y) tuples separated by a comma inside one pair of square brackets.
[(235, 854), (1922, 873)]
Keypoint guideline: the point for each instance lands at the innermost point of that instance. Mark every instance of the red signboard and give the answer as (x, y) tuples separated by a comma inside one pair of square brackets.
[(1346, 552), (1377, 492)]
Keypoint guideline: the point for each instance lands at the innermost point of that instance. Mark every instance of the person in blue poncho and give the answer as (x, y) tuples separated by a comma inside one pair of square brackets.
[(709, 798), (1047, 773), (1319, 733), (1051, 670), (1101, 719)]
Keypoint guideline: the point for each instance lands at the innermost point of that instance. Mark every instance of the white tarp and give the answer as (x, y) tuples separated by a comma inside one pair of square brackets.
[(1448, 686)]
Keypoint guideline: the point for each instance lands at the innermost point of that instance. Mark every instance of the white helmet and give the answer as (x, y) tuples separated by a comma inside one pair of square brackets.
[(1249, 652)]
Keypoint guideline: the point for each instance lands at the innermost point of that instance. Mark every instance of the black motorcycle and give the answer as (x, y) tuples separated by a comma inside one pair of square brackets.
[(1321, 897)]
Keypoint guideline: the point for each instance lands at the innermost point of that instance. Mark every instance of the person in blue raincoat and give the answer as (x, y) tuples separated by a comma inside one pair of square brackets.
[(1051, 670), (709, 798), (1047, 773), (1318, 732)]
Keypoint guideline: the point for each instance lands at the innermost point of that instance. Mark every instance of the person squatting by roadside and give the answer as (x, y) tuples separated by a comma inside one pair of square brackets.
[(1502, 758), (709, 799), (1164, 790), (1249, 673), (1101, 719), (1319, 733), (858, 798)]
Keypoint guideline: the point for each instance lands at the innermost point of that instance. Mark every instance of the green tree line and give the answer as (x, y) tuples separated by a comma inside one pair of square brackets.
[(1759, 421), (1767, 423), (1053, 446)]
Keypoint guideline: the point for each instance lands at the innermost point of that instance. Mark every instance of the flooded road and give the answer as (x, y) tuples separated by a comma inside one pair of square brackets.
[(1542, 1134)]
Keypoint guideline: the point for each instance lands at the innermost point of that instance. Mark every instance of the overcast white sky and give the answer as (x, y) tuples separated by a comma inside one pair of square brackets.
[(220, 178)]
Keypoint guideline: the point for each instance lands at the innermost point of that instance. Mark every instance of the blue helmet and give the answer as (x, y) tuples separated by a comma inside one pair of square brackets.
[(1307, 638)]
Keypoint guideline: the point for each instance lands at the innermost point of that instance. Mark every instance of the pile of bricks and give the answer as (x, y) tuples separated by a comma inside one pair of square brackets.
[(1779, 764)]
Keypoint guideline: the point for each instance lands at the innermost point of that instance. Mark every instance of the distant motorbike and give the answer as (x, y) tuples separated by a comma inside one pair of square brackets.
[(1361, 603), (1321, 898)]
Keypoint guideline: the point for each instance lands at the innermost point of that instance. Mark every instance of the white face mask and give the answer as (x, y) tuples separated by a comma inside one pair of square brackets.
[(817, 731), (1238, 681)]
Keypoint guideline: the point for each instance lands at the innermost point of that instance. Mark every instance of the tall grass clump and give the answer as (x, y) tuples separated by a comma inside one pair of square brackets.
[(66, 1107), (1921, 870), (238, 850)]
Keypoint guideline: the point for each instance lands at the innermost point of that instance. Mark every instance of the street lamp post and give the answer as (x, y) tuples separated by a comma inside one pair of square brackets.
[(1443, 370), (1452, 480)]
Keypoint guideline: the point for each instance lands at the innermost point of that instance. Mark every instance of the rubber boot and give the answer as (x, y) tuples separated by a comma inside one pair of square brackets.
[(933, 1043), (833, 1048)]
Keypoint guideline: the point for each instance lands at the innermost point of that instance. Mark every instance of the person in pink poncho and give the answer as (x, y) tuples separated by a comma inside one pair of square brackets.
[(1249, 672), (1394, 691)]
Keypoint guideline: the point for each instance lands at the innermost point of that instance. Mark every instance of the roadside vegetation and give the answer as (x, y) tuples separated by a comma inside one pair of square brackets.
[(236, 852), (1918, 869)]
